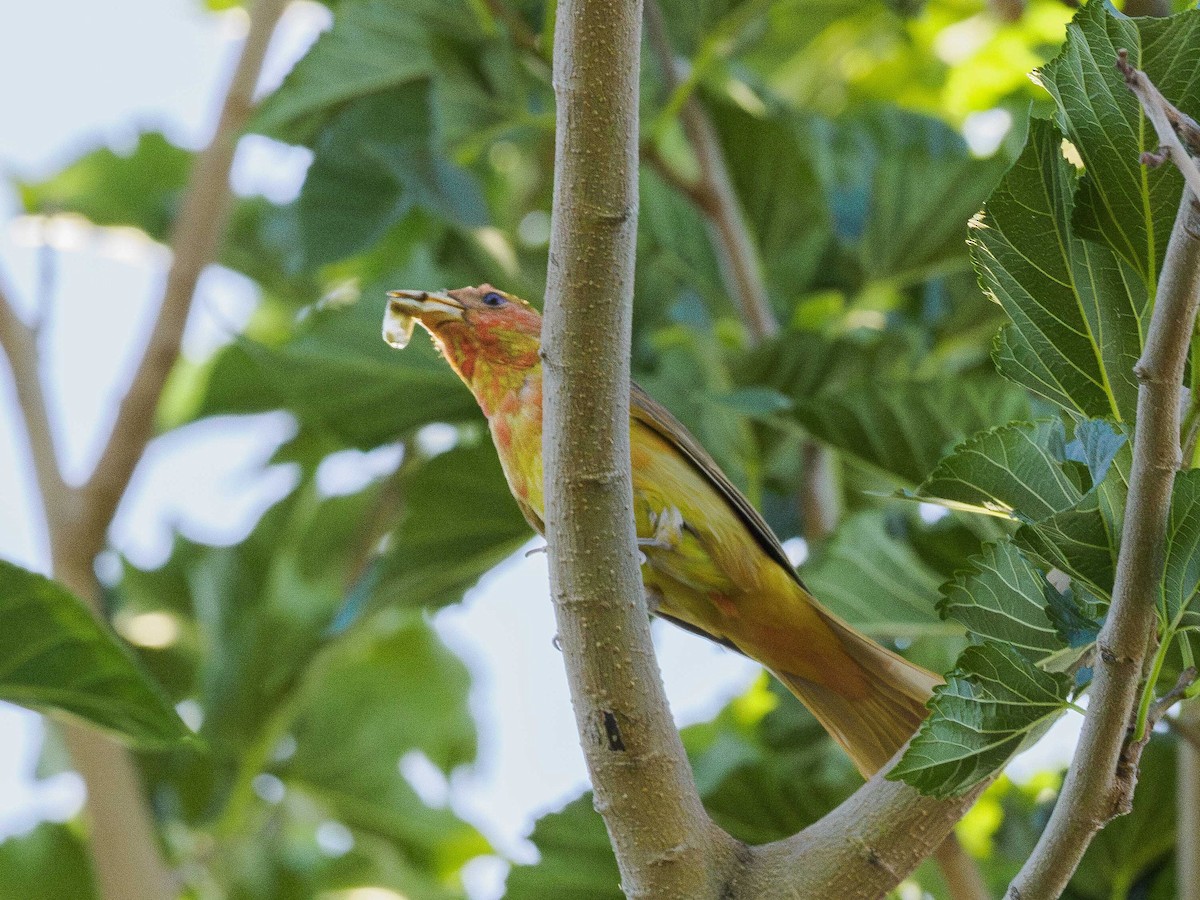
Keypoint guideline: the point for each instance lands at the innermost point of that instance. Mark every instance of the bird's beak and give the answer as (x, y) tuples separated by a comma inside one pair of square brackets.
[(406, 308)]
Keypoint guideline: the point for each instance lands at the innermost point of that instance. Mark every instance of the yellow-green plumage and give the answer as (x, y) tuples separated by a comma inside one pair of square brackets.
[(712, 564)]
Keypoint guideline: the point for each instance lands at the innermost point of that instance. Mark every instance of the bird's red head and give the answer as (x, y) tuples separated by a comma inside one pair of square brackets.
[(491, 338)]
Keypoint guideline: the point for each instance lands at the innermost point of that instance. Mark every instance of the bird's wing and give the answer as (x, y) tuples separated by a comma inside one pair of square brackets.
[(649, 412)]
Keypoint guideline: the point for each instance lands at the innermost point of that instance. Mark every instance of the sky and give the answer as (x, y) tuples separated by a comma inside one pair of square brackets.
[(128, 65)]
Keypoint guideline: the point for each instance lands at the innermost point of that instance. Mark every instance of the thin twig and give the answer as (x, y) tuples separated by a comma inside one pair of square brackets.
[(1169, 124), (195, 239), (1102, 776), (19, 342)]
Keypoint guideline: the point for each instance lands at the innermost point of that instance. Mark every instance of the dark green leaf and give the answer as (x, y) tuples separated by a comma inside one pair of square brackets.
[(374, 162), (374, 45), (876, 582), (577, 861), (56, 656), (993, 704), (1003, 598)]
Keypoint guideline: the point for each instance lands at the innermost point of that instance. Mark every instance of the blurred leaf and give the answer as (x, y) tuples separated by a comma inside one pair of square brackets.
[(459, 521), (1015, 469), (56, 656), (48, 863), (993, 704), (1122, 203), (372, 702), (876, 582), (140, 189), (906, 427), (374, 45), (1075, 307), (375, 161), (1003, 598), (780, 195), (903, 186), (577, 861), (339, 377)]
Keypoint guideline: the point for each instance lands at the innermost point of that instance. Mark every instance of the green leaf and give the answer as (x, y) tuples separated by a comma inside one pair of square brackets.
[(459, 521), (1003, 598), (371, 703), (780, 195), (375, 161), (903, 186), (374, 45), (1122, 203), (1084, 540), (577, 861), (993, 704), (876, 582), (905, 427), (49, 863), (1181, 573), (140, 189), (339, 378), (56, 656), (1075, 307), (1015, 469)]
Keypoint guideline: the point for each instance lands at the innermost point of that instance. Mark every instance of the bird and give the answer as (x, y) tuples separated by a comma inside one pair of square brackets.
[(711, 564)]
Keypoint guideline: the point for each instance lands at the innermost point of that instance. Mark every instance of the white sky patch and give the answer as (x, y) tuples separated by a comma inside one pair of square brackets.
[(985, 131)]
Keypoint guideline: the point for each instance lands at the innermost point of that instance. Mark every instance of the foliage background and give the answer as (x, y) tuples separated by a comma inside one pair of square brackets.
[(310, 666)]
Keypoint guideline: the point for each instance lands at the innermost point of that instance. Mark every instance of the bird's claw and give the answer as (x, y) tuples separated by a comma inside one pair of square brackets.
[(533, 551), (668, 530)]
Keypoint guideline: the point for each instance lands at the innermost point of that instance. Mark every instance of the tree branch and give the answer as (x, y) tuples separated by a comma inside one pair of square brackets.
[(1100, 782), (19, 343), (643, 783), (741, 268), (195, 239)]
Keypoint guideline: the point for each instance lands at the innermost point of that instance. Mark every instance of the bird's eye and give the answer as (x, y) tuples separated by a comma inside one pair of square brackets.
[(491, 298)]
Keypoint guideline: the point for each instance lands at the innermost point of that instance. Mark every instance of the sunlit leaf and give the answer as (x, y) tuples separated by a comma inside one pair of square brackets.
[(142, 188)]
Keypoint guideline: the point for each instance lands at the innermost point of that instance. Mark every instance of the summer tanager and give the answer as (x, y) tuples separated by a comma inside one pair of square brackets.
[(712, 565)]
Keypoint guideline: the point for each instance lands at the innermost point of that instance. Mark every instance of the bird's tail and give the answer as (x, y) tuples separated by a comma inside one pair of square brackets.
[(875, 724)]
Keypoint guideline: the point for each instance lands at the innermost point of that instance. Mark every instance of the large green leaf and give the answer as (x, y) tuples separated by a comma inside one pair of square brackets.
[(56, 656), (577, 861), (374, 45), (993, 704), (339, 378), (1075, 306), (876, 582), (370, 703), (1122, 203), (905, 427), (140, 189), (375, 161), (459, 520), (1003, 598), (903, 186), (1181, 573), (1016, 470), (49, 863)]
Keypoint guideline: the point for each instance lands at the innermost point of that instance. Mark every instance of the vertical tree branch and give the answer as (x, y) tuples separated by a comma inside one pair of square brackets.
[(643, 784), (1100, 782)]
